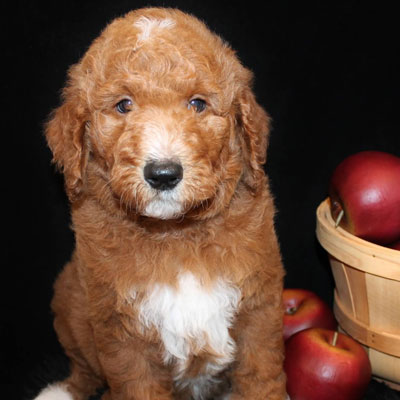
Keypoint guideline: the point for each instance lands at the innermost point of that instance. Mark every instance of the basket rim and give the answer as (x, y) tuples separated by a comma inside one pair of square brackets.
[(351, 249)]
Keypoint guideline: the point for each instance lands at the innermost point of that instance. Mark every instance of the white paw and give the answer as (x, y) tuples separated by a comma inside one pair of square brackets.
[(56, 391)]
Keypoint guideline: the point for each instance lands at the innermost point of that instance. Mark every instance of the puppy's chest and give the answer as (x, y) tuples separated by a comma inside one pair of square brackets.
[(192, 320)]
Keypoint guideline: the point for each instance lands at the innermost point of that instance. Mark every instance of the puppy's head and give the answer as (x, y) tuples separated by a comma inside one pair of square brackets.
[(159, 117)]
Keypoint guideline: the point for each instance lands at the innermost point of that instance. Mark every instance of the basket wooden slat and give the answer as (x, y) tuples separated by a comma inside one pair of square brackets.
[(372, 337), (367, 293)]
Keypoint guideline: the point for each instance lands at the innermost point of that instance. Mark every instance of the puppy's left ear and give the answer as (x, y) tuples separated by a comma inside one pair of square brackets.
[(255, 126)]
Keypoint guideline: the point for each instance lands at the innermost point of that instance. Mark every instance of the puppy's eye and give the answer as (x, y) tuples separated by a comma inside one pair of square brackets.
[(124, 106), (198, 105)]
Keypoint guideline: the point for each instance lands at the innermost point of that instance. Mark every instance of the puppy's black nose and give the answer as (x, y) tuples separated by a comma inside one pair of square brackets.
[(163, 175)]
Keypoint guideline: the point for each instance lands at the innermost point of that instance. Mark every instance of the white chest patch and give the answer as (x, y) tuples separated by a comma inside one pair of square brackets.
[(192, 317)]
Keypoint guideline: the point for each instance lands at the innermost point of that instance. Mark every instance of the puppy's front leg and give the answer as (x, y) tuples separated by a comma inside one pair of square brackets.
[(258, 373), (132, 371)]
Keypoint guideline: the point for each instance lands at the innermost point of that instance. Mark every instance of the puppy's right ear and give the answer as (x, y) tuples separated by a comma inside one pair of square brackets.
[(65, 134)]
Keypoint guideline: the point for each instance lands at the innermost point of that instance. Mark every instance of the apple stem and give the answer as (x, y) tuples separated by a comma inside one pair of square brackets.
[(334, 340), (291, 310), (339, 218)]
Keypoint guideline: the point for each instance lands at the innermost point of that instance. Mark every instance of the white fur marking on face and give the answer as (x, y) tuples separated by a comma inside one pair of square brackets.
[(163, 208), (191, 317), (56, 391), (147, 25), (159, 143)]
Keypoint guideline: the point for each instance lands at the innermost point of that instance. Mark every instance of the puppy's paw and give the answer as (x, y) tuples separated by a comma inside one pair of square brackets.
[(56, 391)]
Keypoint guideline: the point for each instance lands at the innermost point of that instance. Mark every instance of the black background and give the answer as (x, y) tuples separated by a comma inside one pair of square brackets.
[(327, 72)]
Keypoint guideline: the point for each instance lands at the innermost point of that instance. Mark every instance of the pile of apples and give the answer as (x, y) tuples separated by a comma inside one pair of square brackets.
[(320, 363)]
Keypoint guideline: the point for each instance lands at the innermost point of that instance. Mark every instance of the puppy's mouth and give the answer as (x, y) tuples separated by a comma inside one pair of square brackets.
[(162, 190), (164, 205)]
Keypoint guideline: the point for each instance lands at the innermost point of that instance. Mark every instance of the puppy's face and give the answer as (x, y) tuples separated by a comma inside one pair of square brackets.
[(160, 110)]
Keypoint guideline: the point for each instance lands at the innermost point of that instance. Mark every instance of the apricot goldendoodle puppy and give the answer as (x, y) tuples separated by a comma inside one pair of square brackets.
[(174, 289)]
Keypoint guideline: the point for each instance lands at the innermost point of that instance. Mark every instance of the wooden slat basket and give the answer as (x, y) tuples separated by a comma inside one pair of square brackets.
[(367, 293)]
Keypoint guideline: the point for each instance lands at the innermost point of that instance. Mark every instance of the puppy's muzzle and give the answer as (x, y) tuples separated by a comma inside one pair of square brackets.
[(163, 175)]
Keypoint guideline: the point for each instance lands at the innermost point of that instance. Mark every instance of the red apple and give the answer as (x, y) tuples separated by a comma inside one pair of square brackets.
[(365, 187), (304, 309), (395, 246), (317, 368)]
